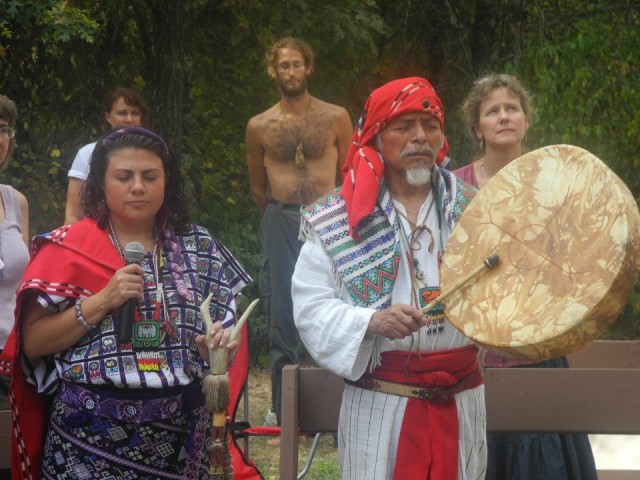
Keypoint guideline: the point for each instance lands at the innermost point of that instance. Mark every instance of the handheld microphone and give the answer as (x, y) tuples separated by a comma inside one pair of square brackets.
[(133, 253)]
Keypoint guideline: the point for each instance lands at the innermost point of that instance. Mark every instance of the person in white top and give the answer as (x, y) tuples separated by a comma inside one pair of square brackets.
[(14, 229), (413, 406), (14, 241), (122, 107)]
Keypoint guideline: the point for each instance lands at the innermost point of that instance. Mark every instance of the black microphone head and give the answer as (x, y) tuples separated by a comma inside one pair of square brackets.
[(134, 253)]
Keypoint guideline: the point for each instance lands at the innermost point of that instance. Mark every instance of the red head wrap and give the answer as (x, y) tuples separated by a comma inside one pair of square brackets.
[(364, 169)]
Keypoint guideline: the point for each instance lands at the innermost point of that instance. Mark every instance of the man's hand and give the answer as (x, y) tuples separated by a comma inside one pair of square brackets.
[(396, 322)]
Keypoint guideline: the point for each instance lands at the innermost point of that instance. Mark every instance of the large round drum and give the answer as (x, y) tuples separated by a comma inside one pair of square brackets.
[(567, 231)]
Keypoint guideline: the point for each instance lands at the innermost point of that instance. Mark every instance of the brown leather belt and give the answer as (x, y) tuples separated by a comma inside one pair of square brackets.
[(434, 394)]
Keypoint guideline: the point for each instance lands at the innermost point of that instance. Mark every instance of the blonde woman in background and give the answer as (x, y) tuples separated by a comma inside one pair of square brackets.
[(498, 114)]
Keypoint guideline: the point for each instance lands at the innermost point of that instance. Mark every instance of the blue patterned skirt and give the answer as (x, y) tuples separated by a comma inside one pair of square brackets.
[(138, 434)]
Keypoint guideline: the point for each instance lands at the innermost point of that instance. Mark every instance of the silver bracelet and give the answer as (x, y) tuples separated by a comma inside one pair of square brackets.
[(80, 317)]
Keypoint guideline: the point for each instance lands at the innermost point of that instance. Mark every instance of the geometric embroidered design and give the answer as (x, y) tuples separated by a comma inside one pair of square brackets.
[(117, 433), (165, 449), (375, 283), (369, 267), (171, 447)]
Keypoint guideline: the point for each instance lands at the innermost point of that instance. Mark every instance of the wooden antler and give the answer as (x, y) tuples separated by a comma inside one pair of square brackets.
[(218, 356), (215, 386)]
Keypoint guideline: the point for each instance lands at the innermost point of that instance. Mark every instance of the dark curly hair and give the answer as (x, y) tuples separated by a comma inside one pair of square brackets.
[(174, 212)]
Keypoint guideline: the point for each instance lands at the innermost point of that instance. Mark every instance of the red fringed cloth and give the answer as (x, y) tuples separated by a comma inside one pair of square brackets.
[(83, 253)]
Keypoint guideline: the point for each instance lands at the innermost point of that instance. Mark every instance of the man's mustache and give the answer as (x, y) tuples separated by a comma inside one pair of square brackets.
[(418, 150)]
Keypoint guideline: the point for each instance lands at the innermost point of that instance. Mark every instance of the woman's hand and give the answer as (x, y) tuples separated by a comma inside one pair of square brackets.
[(44, 333), (126, 283), (219, 339)]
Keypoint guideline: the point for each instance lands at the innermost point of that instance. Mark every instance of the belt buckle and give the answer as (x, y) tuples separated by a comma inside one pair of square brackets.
[(441, 396), (432, 395)]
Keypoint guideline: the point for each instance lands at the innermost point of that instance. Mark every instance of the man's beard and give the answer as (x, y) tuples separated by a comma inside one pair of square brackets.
[(418, 176), (289, 91)]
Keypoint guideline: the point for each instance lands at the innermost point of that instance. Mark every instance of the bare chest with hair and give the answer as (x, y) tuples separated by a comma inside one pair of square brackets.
[(286, 136), (300, 155)]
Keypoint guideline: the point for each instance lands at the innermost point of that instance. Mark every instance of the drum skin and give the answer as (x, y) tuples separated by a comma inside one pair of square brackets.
[(567, 231)]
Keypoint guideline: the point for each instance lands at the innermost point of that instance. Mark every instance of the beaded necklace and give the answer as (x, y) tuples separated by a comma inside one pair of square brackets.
[(150, 333), (114, 239)]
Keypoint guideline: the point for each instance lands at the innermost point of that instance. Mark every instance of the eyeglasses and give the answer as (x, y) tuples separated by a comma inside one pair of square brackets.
[(8, 132), (285, 67)]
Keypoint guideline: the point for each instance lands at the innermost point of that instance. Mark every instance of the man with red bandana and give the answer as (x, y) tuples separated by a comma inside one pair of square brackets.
[(413, 405)]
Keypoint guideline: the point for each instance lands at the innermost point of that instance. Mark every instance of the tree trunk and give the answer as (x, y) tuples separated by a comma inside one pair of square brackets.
[(482, 36), (163, 27)]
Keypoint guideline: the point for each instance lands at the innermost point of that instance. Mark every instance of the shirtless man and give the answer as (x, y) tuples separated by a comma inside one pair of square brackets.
[(295, 151)]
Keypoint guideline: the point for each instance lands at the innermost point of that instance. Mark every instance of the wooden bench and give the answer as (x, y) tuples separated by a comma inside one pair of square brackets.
[(5, 439), (600, 394)]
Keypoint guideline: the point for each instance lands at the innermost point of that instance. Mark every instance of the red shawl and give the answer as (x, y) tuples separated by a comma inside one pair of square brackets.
[(363, 170), (70, 261)]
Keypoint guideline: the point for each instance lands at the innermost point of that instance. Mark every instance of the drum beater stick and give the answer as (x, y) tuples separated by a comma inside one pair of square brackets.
[(488, 263)]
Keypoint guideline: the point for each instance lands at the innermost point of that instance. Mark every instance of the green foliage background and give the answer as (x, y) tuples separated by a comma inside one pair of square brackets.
[(201, 65)]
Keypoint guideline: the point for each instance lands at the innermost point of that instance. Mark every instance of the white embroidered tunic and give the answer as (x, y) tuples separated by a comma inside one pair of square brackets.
[(334, 331)]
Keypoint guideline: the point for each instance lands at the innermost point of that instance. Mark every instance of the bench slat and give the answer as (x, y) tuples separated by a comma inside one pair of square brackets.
[(5, 439), (607, 354), (563, 400)]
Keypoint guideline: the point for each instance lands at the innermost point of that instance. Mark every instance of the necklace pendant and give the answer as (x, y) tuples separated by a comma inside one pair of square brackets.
[(435, 317), (147, 334), (300, 160), (417, 271)]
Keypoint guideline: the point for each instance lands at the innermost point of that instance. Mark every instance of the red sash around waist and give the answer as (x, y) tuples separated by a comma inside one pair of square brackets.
[(428, 444)]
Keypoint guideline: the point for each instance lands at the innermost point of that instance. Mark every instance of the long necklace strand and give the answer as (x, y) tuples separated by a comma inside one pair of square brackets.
[(168, 325), (416, 229), (114, 239), (435, 322), (300, 159), (484, 172), (161, 305), (413, 244)]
